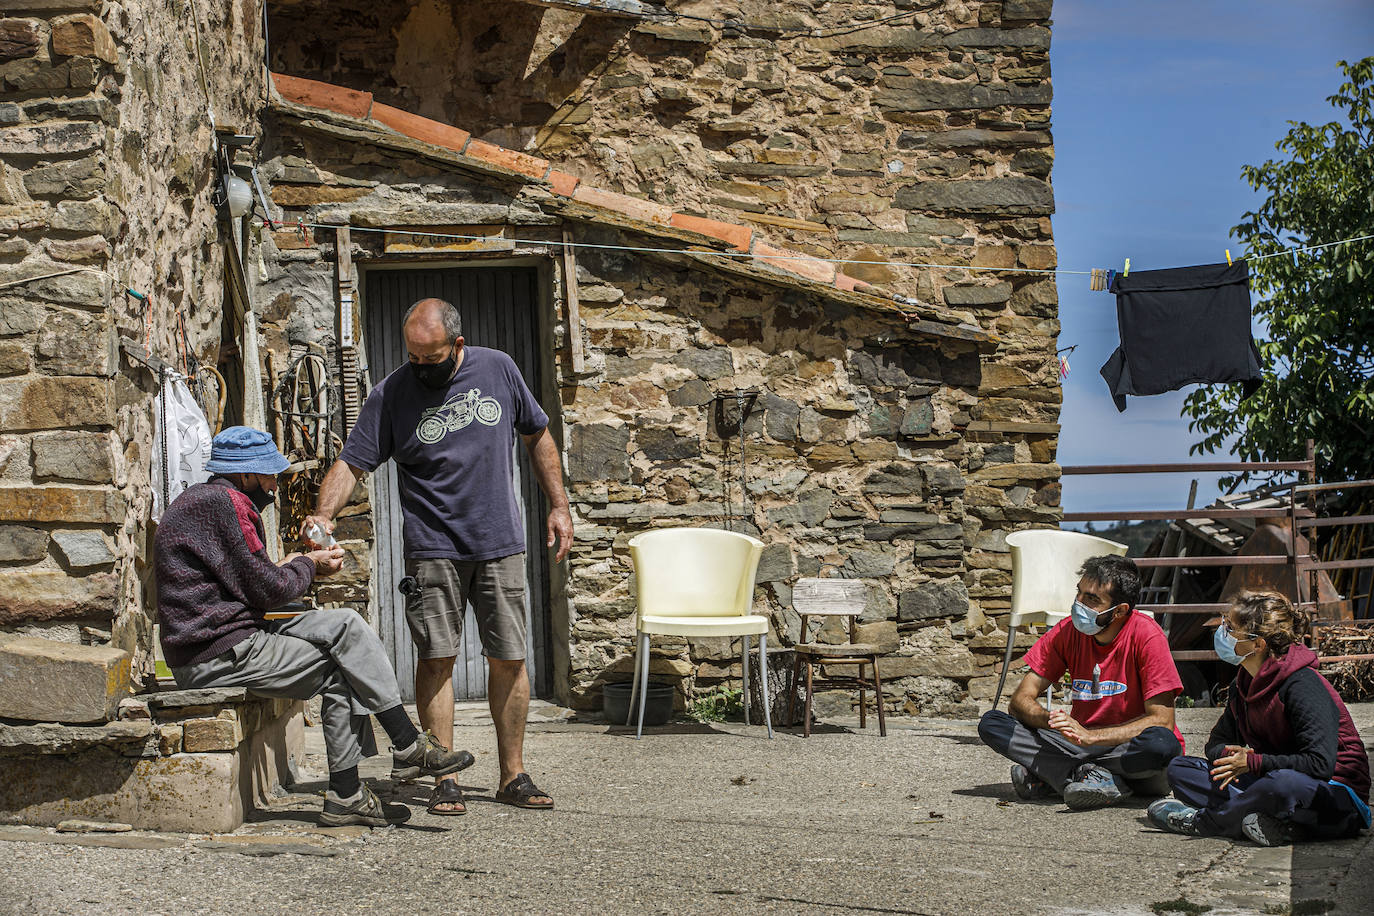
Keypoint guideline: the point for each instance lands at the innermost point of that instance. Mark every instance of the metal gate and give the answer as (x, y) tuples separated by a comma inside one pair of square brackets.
[(499, 308)]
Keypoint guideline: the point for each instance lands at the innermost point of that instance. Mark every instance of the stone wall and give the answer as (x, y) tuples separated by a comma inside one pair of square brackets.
[(924, 139), (105, 175), (864, 452)]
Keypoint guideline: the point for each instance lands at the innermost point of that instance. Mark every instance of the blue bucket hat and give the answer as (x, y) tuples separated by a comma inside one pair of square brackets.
[(244, 450)]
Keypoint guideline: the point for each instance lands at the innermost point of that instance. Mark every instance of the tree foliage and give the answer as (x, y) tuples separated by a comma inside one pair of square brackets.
[(1317, 307)]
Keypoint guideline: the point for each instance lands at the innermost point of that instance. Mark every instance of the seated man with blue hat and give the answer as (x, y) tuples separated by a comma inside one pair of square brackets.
[(215, 584)]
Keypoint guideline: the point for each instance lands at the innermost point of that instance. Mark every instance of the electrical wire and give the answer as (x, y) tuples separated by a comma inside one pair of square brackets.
[(744, 254)]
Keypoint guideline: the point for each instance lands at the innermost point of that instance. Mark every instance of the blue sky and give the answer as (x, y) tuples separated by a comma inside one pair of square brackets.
[(1157, 105)]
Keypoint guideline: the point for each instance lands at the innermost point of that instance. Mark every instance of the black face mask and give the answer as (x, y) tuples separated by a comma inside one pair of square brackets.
[(434, 375), (261, 498)]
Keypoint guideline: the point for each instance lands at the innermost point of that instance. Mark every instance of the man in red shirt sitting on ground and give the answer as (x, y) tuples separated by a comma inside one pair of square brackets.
[(1120, 735)]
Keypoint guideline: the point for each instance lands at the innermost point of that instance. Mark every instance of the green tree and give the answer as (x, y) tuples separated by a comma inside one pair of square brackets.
[(1317, 308)]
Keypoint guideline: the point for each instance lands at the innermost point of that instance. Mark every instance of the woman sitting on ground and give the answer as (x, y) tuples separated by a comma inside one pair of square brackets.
[(1286, 761)]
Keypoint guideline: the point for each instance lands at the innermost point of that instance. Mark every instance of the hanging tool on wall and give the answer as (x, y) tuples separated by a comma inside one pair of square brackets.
[(349, 376), (732, 410)]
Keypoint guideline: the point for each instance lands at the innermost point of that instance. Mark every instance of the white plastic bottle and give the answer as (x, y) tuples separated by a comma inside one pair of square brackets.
[(319, 536)]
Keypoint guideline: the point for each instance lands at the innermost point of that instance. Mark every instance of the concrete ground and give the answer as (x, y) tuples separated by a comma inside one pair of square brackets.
[(696, 819)]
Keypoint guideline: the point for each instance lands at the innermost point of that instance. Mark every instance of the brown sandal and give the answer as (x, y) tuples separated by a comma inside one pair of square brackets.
[(447, 792), (520, 790)]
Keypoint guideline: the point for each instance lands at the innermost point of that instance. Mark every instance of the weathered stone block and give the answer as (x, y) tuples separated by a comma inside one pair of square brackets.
[(781, 417), (83, 35), (911, 94), (775, 563), (83, 549), (895, 480), (61, 504), (691, 393), (661, 444), (48, 402), (932, 600), (73, 455), (58, 139), (869, 564), (880, 633), (222, 733), (19, 38), (978, 295), (807, 511), (72, 343), (712, 363), (991, 195), (90, 216), (943, 478), (47, 681), (74, 179), (918, 419), (21, 544), (48, 594), (598, 452), (1016, 10)]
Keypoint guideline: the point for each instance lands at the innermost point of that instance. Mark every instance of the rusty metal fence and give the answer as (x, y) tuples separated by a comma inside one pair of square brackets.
[(1300, 514)]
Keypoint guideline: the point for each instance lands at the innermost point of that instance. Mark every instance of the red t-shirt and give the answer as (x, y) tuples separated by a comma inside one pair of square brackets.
[(1133, 667)]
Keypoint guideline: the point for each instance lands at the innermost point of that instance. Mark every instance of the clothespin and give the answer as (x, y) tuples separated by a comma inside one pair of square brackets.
[(1111, 278), (1063, 367), (1127, 271), (136, 294), (1228, 257), (1295, 257)]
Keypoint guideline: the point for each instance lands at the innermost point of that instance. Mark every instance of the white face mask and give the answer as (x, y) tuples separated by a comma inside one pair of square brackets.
[(1089, 622)]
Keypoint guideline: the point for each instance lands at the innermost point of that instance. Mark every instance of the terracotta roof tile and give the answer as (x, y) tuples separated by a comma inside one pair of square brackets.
[(562, 182), (355, 104), (634, 207), (523, 163), (794, 262), (738, 236), (422, 129), (349, 102)]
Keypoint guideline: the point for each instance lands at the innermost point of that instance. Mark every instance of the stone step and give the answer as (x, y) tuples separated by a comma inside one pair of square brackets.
[(42, 680)]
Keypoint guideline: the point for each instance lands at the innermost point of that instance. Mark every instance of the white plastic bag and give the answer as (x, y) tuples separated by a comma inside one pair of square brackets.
[(187, 441)]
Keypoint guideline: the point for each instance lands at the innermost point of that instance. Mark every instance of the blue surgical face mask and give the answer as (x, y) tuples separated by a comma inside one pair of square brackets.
[(1225, 644), (1089, 622)]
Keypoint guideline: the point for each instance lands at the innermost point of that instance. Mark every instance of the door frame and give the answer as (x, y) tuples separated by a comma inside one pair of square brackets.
[(549, 675)]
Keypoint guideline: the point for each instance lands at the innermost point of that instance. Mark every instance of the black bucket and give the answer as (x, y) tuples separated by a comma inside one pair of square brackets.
[(658, 702)]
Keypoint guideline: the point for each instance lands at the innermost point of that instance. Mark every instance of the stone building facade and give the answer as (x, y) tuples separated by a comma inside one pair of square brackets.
[(709, 173)]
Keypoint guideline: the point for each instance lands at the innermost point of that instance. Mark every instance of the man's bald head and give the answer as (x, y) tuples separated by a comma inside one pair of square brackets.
[(432, 331), (437, 315)]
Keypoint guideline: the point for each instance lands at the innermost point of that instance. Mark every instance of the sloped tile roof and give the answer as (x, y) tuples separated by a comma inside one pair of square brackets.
[(807, 270)]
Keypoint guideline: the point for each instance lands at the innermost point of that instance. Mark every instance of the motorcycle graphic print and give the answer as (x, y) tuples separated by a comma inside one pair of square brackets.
[(456, 413)]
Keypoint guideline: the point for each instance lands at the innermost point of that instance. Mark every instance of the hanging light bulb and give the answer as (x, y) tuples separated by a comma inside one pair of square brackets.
[(238, 194)]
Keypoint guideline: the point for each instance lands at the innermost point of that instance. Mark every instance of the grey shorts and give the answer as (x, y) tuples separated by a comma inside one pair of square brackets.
[(496, 590)]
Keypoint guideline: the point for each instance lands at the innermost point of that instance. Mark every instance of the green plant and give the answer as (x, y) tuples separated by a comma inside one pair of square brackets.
[(717, 704)]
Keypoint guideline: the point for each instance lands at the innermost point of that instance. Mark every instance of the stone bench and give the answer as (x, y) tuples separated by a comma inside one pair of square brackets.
[(183, 760)]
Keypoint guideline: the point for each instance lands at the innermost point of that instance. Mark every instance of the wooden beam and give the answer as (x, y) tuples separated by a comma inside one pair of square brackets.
[(348, 328), (574, 311)]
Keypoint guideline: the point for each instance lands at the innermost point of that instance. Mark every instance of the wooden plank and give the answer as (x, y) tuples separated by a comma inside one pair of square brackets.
[(1174, 514), (830, 597), (1148, 562), (574, 311)]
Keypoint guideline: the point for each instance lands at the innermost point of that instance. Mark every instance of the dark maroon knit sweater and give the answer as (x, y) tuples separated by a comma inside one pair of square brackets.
[(214, 579)]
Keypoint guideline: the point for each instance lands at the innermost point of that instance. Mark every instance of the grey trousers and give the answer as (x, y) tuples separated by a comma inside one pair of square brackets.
[(1140, 762), (333, 654)]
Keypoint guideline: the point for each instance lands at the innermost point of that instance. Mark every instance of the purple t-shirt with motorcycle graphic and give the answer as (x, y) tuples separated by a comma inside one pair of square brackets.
[(454, 453)]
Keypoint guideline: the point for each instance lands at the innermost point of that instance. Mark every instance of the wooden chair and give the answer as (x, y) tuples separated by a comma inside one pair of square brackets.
[(833, 598)]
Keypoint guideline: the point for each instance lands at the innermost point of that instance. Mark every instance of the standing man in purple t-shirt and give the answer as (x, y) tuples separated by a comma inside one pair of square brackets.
[(449, 420)]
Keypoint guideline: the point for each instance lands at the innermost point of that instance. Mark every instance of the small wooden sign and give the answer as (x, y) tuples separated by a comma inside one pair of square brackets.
[(838, 597), (422, 239)]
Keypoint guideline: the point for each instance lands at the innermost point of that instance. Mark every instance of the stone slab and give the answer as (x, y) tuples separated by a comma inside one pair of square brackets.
[(51, 738), (43, 680), (207, 696)]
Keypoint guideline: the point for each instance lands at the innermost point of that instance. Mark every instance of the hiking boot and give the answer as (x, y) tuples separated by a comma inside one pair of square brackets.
[(1174, 816), (365, 808), (1028, 786), (1266, 830), (1093, 787), (427, 757)]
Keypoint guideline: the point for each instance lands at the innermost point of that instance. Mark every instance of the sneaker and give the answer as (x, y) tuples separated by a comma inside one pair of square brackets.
[(365, 808), (427, 757), (1028, 786), (1093, 787), (1266, 830), (1174, 816)]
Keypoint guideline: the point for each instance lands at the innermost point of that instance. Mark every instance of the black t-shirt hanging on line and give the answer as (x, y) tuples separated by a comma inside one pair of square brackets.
[(1182, 326)]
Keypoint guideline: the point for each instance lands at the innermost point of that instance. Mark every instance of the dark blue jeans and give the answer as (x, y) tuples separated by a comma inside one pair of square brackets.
[(1318, 810), (1055, 759)]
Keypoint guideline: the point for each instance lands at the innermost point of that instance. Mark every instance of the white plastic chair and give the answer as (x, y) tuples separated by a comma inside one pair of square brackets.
[(1044, 579), (696, 582)]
